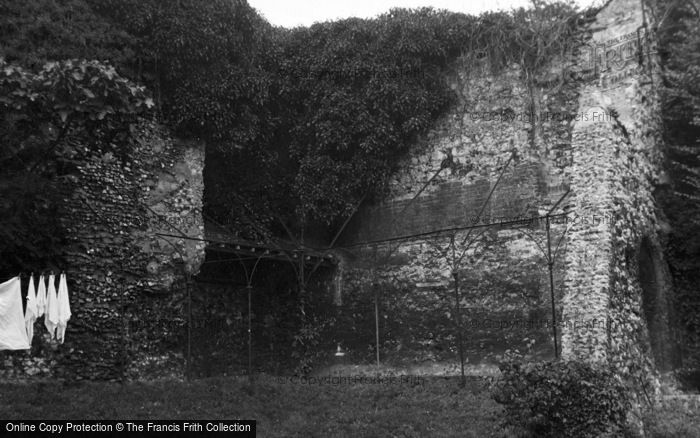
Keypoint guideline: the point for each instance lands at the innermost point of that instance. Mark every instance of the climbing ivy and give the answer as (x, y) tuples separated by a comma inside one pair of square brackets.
[(36, 31), (39, 110), (679, 36), (303, 123), (346, 99)]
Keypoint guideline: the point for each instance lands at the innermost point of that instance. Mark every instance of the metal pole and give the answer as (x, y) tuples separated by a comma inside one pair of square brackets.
[(376, 319), (302, 285), (550, 264), (189, 327), (458, 316), (250, 334), (126, 332)]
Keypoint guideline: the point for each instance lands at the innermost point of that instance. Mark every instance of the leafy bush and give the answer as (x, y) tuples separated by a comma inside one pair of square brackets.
[(307, 350), (552, 399)]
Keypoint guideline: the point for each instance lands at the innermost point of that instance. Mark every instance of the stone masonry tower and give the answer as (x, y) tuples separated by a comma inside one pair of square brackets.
[(615, 306)]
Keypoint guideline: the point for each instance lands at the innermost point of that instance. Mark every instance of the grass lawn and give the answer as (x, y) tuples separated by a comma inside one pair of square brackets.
[(415, 407)]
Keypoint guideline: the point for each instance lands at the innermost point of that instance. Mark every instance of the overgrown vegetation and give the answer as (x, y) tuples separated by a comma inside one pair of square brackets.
[(351, 96), (552, 399), (302, 124), (679, 43), (316, 116), (39, 111)]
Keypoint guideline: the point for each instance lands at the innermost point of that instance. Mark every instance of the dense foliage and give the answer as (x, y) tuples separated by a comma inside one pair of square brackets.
[(35, 31), (679, 44), (39, 110), (351, 96), (304, 122), (553, 399), (300, 124)]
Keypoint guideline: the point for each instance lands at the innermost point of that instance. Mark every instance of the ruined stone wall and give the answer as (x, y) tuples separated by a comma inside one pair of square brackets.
[(125, 277), (615, 167), (595, 134), (505, 293)]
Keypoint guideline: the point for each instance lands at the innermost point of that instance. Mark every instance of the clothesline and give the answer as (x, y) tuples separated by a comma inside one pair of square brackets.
[(23, 275)]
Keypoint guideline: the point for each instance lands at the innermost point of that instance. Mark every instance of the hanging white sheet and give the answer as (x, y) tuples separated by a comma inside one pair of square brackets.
[(41, 296), (30, 312), (64, 313), (51, 315), (13, 334)]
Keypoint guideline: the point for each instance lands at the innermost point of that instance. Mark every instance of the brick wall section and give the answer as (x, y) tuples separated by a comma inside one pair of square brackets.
[(122, 277)]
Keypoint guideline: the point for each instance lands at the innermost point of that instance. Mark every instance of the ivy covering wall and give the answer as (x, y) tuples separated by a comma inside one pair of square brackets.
[(319, 115), (304, 123)]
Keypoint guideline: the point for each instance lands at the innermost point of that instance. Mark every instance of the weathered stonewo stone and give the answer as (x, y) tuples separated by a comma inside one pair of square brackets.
[(503, 273), (123, 270), (617, 274), (595, 138), (611, 279)]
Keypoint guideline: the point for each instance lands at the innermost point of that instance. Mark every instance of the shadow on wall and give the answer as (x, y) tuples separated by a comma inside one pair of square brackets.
[(654, 280)]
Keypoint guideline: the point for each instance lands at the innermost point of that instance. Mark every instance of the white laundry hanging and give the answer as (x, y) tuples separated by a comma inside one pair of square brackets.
[(41, 296), (31, 312), (51, 315), (13, 334), (64, 313)]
